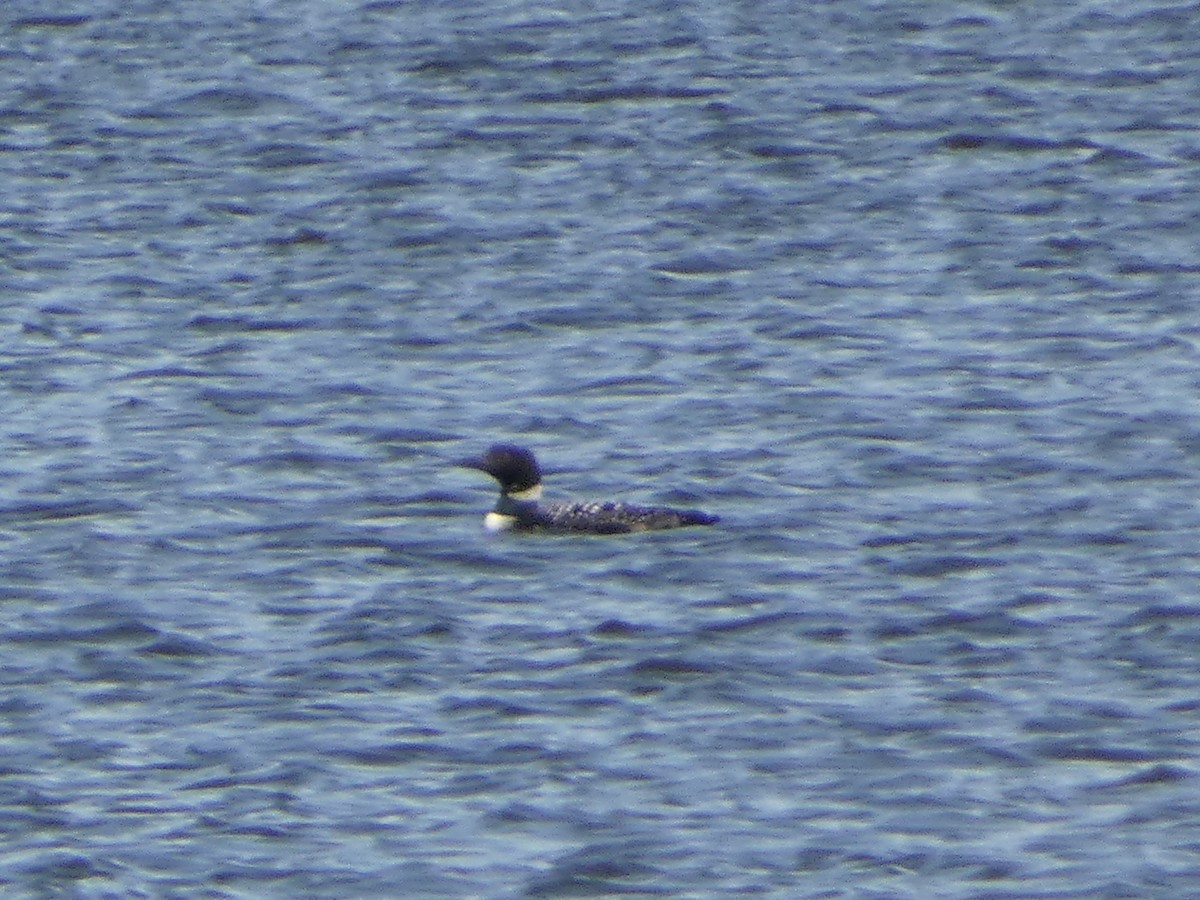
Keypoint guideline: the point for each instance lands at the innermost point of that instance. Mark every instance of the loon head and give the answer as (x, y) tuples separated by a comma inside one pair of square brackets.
[(514, 467)]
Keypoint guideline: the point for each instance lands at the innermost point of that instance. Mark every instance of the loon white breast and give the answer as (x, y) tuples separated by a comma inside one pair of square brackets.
[(520, 508)]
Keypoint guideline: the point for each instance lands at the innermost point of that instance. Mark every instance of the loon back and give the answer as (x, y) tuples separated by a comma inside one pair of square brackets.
[(609, 517), (519, 508)]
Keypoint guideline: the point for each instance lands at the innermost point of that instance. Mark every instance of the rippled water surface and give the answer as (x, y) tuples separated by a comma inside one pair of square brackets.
[(906, 293)]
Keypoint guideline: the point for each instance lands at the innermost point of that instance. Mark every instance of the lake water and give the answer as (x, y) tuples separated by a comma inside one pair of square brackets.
[(906, 293)]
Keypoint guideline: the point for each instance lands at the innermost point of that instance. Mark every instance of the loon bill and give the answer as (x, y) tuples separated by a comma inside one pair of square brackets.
[(520, 508)]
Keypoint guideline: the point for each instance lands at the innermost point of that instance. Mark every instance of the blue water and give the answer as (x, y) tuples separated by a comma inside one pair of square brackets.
[(906, 293)]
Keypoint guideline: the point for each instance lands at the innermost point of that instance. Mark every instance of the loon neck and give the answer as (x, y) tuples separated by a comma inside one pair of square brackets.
[(523, 496), (515, 504)]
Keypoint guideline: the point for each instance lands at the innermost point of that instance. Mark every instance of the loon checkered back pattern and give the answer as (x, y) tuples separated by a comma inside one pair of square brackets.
[(519, 507), (613, 517)]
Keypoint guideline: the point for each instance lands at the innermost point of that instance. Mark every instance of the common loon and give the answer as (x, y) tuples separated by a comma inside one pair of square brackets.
[(519, 508)]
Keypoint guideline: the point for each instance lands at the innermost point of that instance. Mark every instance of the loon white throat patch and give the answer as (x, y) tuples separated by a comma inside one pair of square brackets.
[(533, 493), (495, 521)]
